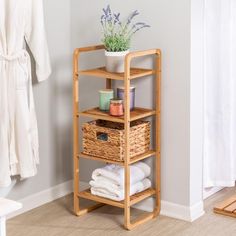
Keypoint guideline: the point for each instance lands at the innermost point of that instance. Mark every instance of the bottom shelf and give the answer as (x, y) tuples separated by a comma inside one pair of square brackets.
[(133, 199)]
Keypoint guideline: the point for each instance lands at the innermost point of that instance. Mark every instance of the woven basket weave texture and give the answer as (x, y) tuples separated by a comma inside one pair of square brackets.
[(106, 139)]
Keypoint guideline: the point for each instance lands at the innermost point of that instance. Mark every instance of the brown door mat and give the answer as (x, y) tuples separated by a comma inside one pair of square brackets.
[(227, 207)]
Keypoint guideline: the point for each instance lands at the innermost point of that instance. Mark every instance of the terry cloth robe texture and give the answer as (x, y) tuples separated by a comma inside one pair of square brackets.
[(20, 21)]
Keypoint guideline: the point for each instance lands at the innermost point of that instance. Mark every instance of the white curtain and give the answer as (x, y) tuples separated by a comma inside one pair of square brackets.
[(220, 93)]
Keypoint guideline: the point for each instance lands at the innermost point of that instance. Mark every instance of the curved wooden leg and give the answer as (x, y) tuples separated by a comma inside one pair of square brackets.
[(129, 225), (88, 209), (141, 219)]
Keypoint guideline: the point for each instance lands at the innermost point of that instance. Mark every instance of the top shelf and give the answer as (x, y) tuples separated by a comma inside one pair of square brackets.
[(102, 73)]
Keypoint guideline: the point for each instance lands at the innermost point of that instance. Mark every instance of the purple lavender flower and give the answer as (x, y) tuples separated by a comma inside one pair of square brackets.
[(117, 36), (117, 18), (135, 13), (107, 16), (106, 11), (140, 23), (141, 27)]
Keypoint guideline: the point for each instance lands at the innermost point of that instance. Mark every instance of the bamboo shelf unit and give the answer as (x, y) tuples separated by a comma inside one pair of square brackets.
[(137, 113)]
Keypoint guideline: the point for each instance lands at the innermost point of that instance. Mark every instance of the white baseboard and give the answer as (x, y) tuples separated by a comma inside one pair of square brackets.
[(196, 211), (43, 197), (167, 208), (174, 210), (207, 192)]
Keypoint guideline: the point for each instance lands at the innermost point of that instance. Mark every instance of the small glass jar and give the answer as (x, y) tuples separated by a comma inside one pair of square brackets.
[(105, 95), (116, 107), (121, 95)]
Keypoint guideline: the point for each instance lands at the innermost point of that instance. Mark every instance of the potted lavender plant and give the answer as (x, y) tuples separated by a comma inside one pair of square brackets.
[(117, 37)]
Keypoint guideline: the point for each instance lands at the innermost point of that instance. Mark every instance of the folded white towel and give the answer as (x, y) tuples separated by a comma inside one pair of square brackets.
[(105, 189), (115, 173)]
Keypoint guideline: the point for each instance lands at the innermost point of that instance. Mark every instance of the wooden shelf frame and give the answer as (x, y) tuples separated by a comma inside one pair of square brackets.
[(136, 114), (127, 76), (133, 199), (121, 163), (102, 73)]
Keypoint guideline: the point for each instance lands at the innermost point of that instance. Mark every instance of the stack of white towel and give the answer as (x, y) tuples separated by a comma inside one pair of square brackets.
[(108, 181)]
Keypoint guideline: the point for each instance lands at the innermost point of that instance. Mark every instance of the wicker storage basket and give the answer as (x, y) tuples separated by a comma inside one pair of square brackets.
[(106, 139)]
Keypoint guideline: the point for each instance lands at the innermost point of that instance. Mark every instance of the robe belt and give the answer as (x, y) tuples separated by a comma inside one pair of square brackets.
[(14, 56), (23, 59)]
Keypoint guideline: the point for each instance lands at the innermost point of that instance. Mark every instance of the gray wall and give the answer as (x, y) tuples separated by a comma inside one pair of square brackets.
[(53, 106), (170, 31)]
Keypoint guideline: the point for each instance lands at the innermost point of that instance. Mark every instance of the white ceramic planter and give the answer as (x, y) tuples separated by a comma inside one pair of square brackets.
[(115, 61)]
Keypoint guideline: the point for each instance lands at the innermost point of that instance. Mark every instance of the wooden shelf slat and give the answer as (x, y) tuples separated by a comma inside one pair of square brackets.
[(95, 113), (132, 160), (102, 73), (139, 113), (86, 194), (142, 156), (100, 159), (136, 114), (141, 196)]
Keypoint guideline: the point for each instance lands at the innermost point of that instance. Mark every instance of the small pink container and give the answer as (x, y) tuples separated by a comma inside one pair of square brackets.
[(116, 107)]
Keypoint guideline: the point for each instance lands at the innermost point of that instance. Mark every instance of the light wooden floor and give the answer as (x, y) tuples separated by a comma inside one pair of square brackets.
[(55, 219)]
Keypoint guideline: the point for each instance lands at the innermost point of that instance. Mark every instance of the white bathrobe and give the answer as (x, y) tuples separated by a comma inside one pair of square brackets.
[(20, 21)]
